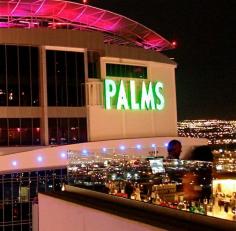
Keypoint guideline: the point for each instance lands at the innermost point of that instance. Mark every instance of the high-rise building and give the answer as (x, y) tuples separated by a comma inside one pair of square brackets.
[(75, 74)]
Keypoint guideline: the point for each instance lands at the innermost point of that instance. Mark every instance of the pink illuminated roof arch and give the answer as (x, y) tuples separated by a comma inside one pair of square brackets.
[(55, 14)]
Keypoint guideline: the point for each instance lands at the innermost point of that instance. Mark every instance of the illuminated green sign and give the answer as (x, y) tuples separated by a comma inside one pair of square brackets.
[(134, 95)]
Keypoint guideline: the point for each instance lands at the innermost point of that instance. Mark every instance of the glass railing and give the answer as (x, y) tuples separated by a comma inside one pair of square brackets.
[(194, 186)]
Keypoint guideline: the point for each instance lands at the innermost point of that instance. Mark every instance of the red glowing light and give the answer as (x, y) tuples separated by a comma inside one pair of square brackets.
[(174, 43)]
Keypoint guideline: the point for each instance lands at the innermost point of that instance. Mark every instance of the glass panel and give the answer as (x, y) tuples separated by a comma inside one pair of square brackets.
[(8, 213), (36, 132), (14, 131), (15, 188), (3, 86), (81, 78), (82, 130), (3, 132), (25, 210), (63, 131), (73, 131), (34, 75), (72, 83), (26, 131), (65, 78), (61, 83), (41, 181), (33, 184), (7, 191), (129, 71), (49, 181), (52, 128), (93, 64), (67, 130), (12, 76), (15, 206), (51, 78), (24, 75)]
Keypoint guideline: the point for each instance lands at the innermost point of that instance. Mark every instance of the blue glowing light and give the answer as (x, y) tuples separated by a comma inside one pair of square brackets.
[(63, 155), (39, 158), (84, 152), (104, 149), (14, 162), (122, 147), (166, 144), (138, 146), (153, 145)]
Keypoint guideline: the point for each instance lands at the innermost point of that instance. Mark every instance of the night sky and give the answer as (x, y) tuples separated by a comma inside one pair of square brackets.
[(205, 54)]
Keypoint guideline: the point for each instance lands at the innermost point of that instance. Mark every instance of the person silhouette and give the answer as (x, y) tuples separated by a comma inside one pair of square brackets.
[(202, 153), (174, 149)]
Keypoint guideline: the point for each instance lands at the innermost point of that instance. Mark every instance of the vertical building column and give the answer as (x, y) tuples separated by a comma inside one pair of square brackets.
[(43, 96)]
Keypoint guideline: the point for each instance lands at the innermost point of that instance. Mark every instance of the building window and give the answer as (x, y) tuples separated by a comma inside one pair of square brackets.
[(67, 130), (18, 193), (65, 78), (19, 76), (93, 64), (19, 132), (126, 71)]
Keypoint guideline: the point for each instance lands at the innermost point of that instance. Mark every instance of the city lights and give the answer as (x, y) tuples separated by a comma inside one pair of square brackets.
[(218, 132)]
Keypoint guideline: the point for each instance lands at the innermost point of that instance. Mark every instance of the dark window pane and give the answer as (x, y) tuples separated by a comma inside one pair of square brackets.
[(8, 213), (26, 131), (61, 83), (3, 87), (67, 130), (65, 78), (52, 128), (129, 71), (81, 78), (82, 130), (34, 75), (51, 77), (15, 189), (14, 131), (63, 131), (36, 131), (12, 76), (7, 190), (73, 130), (72, 76), (24, 76), (3, 132), (93, 64)]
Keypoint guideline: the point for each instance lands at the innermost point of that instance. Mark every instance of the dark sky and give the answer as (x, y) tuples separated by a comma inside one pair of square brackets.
[(205, 31)]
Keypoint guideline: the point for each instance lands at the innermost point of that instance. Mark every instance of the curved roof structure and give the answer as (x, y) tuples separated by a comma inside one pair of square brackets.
[(55, 14)]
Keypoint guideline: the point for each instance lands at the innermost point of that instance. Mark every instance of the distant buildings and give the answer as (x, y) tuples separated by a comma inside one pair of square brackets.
[(221, 133)]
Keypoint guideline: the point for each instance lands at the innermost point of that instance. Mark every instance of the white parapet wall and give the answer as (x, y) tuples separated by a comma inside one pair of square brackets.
[(56, 156), (62, 215)]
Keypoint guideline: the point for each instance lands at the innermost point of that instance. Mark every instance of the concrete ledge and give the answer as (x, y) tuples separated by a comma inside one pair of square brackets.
[(161, 217)]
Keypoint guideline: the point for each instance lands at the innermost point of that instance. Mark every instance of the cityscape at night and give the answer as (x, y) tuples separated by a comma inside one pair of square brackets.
[(99, 115), (221, 134)]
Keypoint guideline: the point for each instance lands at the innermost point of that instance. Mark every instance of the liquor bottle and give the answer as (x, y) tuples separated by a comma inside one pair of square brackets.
[(192, 207)]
